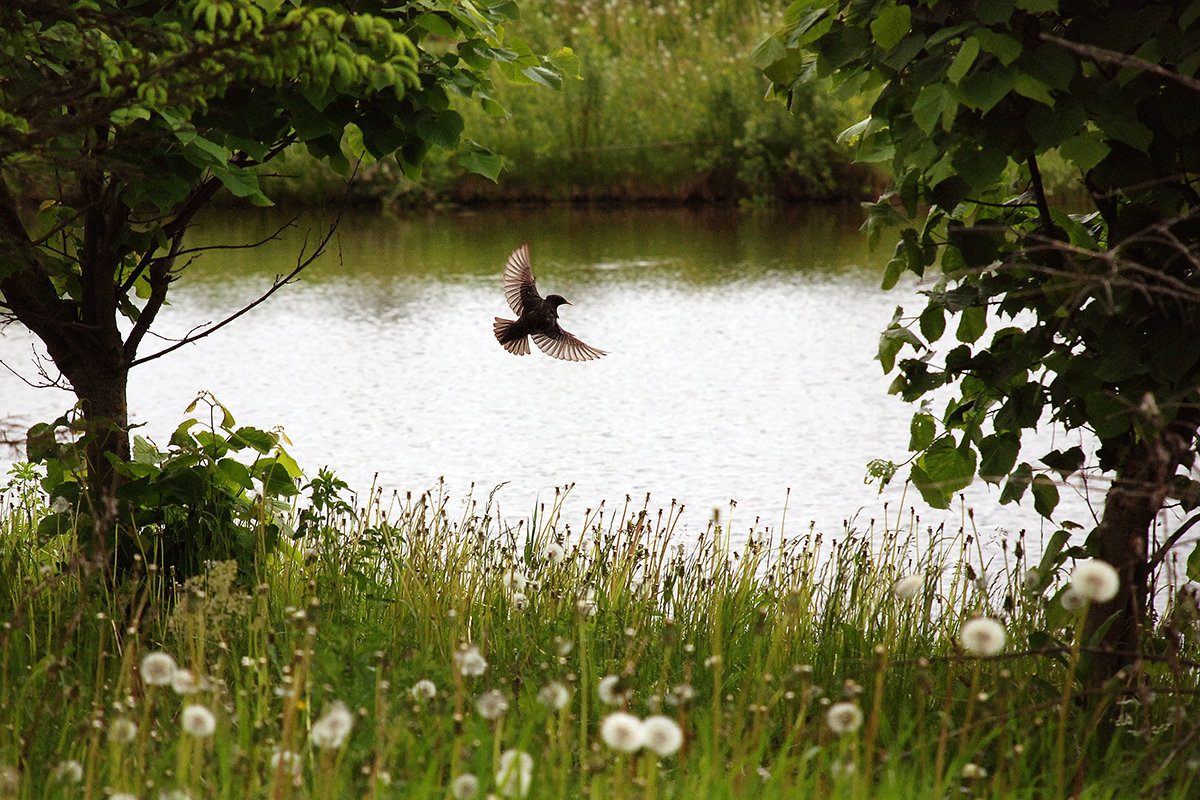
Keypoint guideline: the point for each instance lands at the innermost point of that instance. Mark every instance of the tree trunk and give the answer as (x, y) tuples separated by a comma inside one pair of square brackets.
[(1122, 539)]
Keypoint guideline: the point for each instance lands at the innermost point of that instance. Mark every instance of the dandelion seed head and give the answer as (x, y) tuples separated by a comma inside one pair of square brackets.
[(907, 587), (519, 601), (663, 735), (331, 730), (844, 717), (69, 771), (122, 730), (492, 704), (198, 721), (158, 668), (469, 661), (288, 762), (1096, 581), (423, 690), (185, 682), (972, 771), (514, 580), (1071, 600), (464, 787), (514, 774), (554, 695), (983, 636), (611, 692), (555, 553), (623, 732)]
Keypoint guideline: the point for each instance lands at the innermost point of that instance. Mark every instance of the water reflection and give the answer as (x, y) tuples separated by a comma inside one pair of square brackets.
[(741, 359)]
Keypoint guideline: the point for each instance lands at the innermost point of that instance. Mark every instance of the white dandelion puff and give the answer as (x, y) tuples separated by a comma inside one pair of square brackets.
[(69, 771), (623, 732), (519, 601), (907, 587), (514, 774), (1071, 600), (492, 704), (423, 690), (185, 682), (844, 717), (663, 735), (555, 553), (332, 729), (554, 695), (1096, 581), (122, 730), (983, 636), (464, 787), (287, 762), (198, 721), (972, 771), (610, 691), (158, 668), (470, 662), (514, 581)]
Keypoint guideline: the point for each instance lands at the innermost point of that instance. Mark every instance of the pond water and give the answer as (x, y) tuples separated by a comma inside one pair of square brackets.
[(740, 362)]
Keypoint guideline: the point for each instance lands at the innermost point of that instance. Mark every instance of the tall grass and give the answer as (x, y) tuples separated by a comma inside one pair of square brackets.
[(746, 643), (666, 107)]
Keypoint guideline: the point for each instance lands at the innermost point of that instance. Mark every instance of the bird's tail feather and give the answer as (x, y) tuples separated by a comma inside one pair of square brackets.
[(518, 346)]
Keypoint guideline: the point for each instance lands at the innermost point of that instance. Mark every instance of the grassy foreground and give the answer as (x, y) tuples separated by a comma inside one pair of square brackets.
[(353, 666)]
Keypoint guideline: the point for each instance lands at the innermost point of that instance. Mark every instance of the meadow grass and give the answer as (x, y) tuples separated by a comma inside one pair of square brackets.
[(420, 647)]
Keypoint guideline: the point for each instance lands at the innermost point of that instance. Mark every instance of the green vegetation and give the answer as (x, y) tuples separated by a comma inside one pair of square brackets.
[(348, 661), (1085, 309), (666, 107)]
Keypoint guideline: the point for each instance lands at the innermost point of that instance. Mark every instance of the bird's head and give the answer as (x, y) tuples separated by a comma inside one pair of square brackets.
[(557, 300)]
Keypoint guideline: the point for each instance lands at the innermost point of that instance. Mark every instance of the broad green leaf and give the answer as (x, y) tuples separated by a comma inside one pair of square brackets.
[(769, 51), (930, 106), (1005, 48), (972, 322), (983, 89), (933, 323), (998, 456), (921, 431), (891, 25), (945, 469), (1085, 150), (1064, 462), (482, 162), (1045, 495), (1031, 87), (1018, 482), (436, 24), (260, 440), (890, 343), (963, 60)]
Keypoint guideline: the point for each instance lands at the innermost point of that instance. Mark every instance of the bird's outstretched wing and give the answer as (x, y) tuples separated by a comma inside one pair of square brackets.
[(519, 285), (565, 346)]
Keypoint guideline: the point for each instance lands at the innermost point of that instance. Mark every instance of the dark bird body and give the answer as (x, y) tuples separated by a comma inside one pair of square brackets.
[(537, 317)]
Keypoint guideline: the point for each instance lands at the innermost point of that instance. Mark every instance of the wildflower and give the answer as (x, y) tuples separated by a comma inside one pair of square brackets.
[(332, 729), (610, 691), (983, 636), (288, 762), (185, 682), (972, 771), (158, 668), (122, 730), (555, 553), (554, 695), (469, 661), (907, 587), (464, 787), (663, 735), (514, 775), (1071, 600), (587, 603), (492, 705), (623, 732), (844, 717), (423, 690), (519, 601), (198, 721), (61, 505), (681, 694), (1096, 581), (514, 580), (69, 771)]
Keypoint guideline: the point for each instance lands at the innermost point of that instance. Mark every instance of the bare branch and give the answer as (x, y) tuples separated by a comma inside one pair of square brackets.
[(1120, 59)]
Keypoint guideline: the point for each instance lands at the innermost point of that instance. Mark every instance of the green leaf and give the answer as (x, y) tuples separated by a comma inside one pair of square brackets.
[(1193, 563), (943, 469), (1018, 481), (1064, 462), (998, 456), (933, 323), (891, 25), (981, 90), (260, 440), (931, 105), (1005, 48), (1045, 495), (963, 60), (890, 343), (482, 162), (1085, 150), (436, 24), (922, 430), (234, 472), (972, 322)]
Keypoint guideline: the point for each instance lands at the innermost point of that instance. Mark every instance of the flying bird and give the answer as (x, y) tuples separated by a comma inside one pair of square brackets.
[(537, 317)]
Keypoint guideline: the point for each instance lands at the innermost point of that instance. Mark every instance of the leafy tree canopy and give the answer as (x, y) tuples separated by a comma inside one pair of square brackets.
[(1033, 313), (121, 119)]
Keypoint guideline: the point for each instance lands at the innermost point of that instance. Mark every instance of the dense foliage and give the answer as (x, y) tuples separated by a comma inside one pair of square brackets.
[(122, 120), (1088, 308)]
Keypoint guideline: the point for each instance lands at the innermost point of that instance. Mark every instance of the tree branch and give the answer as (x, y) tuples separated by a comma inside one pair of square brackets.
[(1121, 60)]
